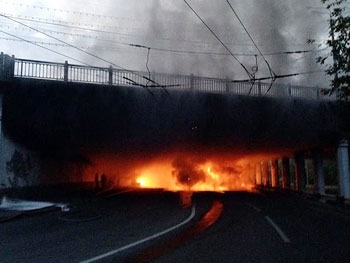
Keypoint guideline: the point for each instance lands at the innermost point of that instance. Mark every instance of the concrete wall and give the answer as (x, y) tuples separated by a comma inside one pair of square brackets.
[(59, 122), (54, 117), (7, 149)]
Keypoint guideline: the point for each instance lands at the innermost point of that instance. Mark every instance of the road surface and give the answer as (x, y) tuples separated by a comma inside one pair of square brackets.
[(245, 227)]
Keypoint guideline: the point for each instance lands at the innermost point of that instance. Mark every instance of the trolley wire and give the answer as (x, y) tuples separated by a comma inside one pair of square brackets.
[(272, 73), (217, 37), (75, 47)]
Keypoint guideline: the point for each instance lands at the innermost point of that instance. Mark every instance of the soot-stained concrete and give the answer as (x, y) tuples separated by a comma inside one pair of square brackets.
[(56, 117)]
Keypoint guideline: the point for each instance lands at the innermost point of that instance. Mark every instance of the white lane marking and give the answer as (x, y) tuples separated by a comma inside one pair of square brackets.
[(254, 207), (113, 252), (278, 230)]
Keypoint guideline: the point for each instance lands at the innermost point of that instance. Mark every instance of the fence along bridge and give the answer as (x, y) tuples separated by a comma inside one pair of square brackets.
[(11, 67)]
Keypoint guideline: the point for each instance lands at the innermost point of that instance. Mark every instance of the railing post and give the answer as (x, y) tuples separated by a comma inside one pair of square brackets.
[(317, 92), (227, 86), (21, 68), (65, 71), (259, 88), (290, 90), (110, 76), (1, 65), (192, 82), (12, 67)]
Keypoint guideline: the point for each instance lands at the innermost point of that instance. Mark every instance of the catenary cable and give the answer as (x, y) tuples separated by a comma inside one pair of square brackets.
[(75, 47), (48, 49), (217, 37), (272, 73)]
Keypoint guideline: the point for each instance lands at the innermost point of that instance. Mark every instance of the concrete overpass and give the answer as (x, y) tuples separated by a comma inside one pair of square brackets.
[(55, 108)]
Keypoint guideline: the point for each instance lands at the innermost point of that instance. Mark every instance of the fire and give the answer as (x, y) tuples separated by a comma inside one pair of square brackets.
[(142, 181), (180, 171), (183, 174)]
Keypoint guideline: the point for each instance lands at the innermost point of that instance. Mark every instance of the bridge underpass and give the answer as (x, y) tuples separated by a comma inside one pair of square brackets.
[(75, 129), (81, 122)]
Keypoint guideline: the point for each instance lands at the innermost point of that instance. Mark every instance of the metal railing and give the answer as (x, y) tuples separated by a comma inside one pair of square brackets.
[(23, 68)]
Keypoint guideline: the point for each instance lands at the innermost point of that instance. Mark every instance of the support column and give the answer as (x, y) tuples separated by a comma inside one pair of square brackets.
[(274, 173), (265, 174), (300, 172), (2, 148), (0, 114), (285, 173), (319, 182), (343, 169), (258, 174)]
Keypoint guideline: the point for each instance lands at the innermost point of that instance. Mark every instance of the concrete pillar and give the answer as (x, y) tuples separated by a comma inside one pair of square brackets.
[(265, 174), (274, 173), (343, 169), (300, 171), (285, 173), (258, 174), (2, 148), (319, 182), (0, 113)]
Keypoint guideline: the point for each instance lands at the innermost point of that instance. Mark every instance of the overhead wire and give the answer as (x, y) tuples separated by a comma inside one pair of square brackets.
[(69, 25), (217, 37), (157, 84), (178, 51), (62, 41), (52, 9), (70, 45), (280, 76), (60, 23), (272, 73), (168, 50), (46, 48)]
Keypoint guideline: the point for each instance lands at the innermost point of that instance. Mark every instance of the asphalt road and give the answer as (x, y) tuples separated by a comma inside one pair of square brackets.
[(246, 228)]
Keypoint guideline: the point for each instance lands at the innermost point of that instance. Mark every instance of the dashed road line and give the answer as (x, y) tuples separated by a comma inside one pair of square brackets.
[(254, 207), (278, 230)]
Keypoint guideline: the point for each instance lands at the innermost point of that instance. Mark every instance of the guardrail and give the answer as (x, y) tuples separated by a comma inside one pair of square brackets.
[(23, 68)]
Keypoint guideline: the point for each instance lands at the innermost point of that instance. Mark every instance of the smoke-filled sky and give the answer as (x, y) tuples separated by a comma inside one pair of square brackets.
[(179, 42)]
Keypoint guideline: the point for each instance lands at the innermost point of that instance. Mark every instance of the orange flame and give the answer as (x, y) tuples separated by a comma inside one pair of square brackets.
[(179, 171), (209, 177)]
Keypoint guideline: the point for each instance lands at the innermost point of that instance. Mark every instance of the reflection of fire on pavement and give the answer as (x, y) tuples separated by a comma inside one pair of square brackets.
[(185, 199)]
